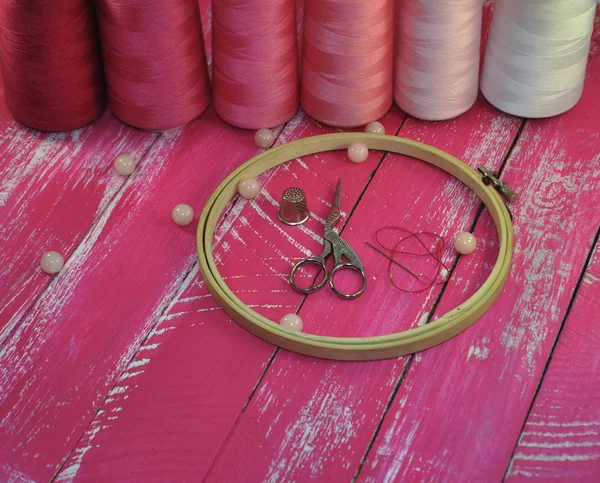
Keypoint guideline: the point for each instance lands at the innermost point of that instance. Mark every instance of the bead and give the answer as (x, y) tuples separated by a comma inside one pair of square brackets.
[(249, 188), (358, 152), (124, 164), (183, 215), (465, 243), (264, 138), (52, 262), (292, 322), (375, 128)]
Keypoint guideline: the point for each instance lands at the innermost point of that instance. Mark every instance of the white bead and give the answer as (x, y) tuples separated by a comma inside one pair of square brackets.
[(292, 322), (358, 152), (52, 262), (124, 164), (249, 188), (264, 138), (375, 128), (465, 243), (183, 215)]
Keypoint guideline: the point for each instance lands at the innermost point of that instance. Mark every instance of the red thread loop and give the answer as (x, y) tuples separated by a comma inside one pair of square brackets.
[(51, 63), (154, 61), (427, 244)]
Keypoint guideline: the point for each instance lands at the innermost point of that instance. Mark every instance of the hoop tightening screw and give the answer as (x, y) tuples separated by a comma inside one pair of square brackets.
[(490, 179)]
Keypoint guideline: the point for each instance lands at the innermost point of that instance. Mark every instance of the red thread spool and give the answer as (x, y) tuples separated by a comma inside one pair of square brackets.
[(154, 61), (347, 60), (255, 62), (51, 63)]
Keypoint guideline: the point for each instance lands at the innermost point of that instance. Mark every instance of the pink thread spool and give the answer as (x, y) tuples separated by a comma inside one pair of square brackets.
[(154, 61), (437, 57), (347, 61), (255, 63)]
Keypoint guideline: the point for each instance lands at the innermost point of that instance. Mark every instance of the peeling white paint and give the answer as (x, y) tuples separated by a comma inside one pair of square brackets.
[(556, 457), (480, 353)]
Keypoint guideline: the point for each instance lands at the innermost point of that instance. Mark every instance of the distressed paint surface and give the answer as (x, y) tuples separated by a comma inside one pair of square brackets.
[(126, 367), (51, 195), (488, 375), (561, 438), (69, 349)]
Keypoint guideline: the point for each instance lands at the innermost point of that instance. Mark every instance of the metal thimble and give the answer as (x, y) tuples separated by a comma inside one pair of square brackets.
[(293, 209)]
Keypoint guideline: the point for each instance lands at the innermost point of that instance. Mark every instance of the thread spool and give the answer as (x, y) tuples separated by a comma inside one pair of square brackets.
[(437, 57), (536, 55), (51, 64), (347, 61), (154, 61), (255, 63)]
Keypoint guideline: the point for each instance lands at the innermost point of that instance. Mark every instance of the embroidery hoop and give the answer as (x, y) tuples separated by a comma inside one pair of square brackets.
[(356, 348)]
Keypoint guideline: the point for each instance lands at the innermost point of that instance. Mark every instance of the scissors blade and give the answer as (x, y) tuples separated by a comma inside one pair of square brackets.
[(338, 195)]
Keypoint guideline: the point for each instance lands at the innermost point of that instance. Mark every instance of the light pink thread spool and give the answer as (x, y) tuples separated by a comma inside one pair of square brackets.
[(255, 63), (437, 57), (347, 61)]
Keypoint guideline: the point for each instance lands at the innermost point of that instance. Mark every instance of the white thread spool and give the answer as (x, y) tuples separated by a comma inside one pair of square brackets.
[(536, 55), (437, 57)]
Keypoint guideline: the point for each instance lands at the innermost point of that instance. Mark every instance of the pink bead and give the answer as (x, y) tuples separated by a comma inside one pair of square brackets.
[(358, 152), (465, 243), (292, 322), (375, 128), (124, 164), (249, 188), (183, 215), (264, 138), (52, 262)]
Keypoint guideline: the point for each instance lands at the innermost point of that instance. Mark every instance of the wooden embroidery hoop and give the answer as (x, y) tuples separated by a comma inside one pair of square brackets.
[(356, 348)]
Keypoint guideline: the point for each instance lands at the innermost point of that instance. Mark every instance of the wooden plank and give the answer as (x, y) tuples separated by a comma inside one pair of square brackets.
[(194, 321), (461, 406), (81, 334), (561, 438), (56, 187)]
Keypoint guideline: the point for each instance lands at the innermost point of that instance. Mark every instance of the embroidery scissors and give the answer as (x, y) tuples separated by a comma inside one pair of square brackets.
[(332, 242)]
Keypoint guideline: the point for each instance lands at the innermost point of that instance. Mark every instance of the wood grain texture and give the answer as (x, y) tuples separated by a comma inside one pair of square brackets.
[(491, 371), (561, 438)]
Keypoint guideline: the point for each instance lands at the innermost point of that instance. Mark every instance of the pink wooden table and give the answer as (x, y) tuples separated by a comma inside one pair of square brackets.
[(123, 368)]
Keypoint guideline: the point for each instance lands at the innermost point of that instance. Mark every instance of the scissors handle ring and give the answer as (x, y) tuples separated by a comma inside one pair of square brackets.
[(343, 295), (306, 261)]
